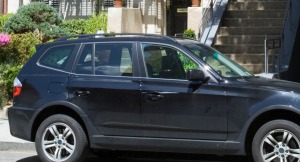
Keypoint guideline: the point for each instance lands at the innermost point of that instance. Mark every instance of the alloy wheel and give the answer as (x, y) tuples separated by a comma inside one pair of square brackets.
[(58, 142), (280, 146)]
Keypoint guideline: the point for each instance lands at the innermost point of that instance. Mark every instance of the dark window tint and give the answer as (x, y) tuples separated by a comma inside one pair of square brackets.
[(107, 59), (166, 62), (57, 57), (85, 63)]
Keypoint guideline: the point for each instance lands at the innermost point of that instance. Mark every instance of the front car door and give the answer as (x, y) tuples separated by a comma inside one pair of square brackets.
[(174, 107), (105, 86)]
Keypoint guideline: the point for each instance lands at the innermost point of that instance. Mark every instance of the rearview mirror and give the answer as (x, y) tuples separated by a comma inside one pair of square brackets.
[(196, 75)]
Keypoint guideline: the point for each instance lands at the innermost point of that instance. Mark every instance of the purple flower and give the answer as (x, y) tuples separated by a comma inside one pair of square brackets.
[(4, 39)]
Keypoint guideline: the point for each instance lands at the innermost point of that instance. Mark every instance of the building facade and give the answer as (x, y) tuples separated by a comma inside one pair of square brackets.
[(167, 17)]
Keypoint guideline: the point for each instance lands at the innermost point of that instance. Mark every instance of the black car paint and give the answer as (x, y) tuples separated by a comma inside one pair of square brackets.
[(222, 125)]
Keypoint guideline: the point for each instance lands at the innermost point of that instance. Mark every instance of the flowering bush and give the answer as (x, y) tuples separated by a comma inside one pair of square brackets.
[(4, 39)]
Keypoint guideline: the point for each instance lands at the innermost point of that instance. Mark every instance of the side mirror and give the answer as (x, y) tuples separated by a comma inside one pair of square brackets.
[(196, 75)]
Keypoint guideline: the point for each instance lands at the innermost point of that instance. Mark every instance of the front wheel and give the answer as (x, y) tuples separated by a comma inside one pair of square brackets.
[(60, 138), (277, 141)]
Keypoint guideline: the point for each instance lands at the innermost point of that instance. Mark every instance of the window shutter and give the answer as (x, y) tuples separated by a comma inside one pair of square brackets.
[(53, 3)]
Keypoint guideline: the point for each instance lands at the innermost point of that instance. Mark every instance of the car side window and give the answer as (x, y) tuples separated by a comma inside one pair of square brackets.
[(57, 57), (166, 62), (85, 63), (113, 59)]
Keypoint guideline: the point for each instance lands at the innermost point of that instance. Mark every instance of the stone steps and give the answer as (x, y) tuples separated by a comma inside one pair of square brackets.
[(244, 27)]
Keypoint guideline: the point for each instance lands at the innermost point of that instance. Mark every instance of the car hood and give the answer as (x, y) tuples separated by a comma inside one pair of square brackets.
[(267, 84)]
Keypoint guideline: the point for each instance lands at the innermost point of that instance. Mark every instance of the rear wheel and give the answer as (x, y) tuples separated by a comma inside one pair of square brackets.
[(277, 141), (61, 138)]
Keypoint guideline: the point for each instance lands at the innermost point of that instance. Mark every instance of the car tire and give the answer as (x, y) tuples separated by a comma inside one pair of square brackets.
[(276, 141), (61, 138)]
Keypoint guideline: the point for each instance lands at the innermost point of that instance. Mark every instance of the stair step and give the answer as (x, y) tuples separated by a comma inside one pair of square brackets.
[(258, 0), (276, 30), (255, 68), (250, 58), (239, 22), (242, 49), (262, 5), (255, 14), (240, 39), (243, 39)]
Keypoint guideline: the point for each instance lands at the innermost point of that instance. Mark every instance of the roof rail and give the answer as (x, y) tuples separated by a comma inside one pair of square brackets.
[(104, 35)]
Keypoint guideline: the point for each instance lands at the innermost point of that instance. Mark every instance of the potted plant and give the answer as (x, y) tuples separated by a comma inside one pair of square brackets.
[(118, 3), (196, 3), (189, 33)]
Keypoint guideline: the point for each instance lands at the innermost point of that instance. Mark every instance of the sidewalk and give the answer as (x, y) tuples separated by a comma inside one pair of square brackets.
[(10, 143)]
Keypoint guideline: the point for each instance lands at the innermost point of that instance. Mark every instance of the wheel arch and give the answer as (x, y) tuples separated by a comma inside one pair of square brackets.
[(59, 108), (289, 114)]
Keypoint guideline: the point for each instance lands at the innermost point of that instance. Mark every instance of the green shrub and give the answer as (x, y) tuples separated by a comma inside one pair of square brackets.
[(12, 56), (7, 75), (36, 16), (3, 20), (74, 26), (3, 98), (95, 23), (189, 33), (20, 48)]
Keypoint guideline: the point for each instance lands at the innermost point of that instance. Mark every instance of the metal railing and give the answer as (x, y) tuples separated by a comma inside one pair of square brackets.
[(273, 46), (206, 16)]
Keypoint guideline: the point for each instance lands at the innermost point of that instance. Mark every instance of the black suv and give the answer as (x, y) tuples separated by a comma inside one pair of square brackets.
[(150, 93)]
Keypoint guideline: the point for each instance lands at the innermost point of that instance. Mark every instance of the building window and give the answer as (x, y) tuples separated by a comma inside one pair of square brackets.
[(53, 3), (103, 5)]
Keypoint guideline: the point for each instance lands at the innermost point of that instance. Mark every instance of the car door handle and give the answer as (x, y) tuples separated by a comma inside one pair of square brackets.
[(154, 96), (81, 93)]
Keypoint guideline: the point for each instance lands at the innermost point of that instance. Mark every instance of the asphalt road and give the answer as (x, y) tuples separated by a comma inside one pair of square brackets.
[(9, 156)]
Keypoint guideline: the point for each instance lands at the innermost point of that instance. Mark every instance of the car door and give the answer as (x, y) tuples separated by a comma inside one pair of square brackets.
[(174, 107), (105, 86)]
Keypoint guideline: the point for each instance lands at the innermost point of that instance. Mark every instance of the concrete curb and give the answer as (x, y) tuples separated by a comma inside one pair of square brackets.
[(15, 146)]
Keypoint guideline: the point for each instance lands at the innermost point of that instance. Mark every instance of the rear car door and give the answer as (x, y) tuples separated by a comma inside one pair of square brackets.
[(174, 107), (105, 85)]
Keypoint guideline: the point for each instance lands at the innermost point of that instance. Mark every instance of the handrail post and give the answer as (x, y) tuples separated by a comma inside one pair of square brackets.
[(266, 55)]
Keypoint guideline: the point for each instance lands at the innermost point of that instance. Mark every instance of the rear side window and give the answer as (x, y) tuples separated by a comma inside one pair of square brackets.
[(114, 59), (57, 57)]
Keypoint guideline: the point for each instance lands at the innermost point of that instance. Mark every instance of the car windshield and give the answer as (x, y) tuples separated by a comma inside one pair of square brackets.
[(217, 61)]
